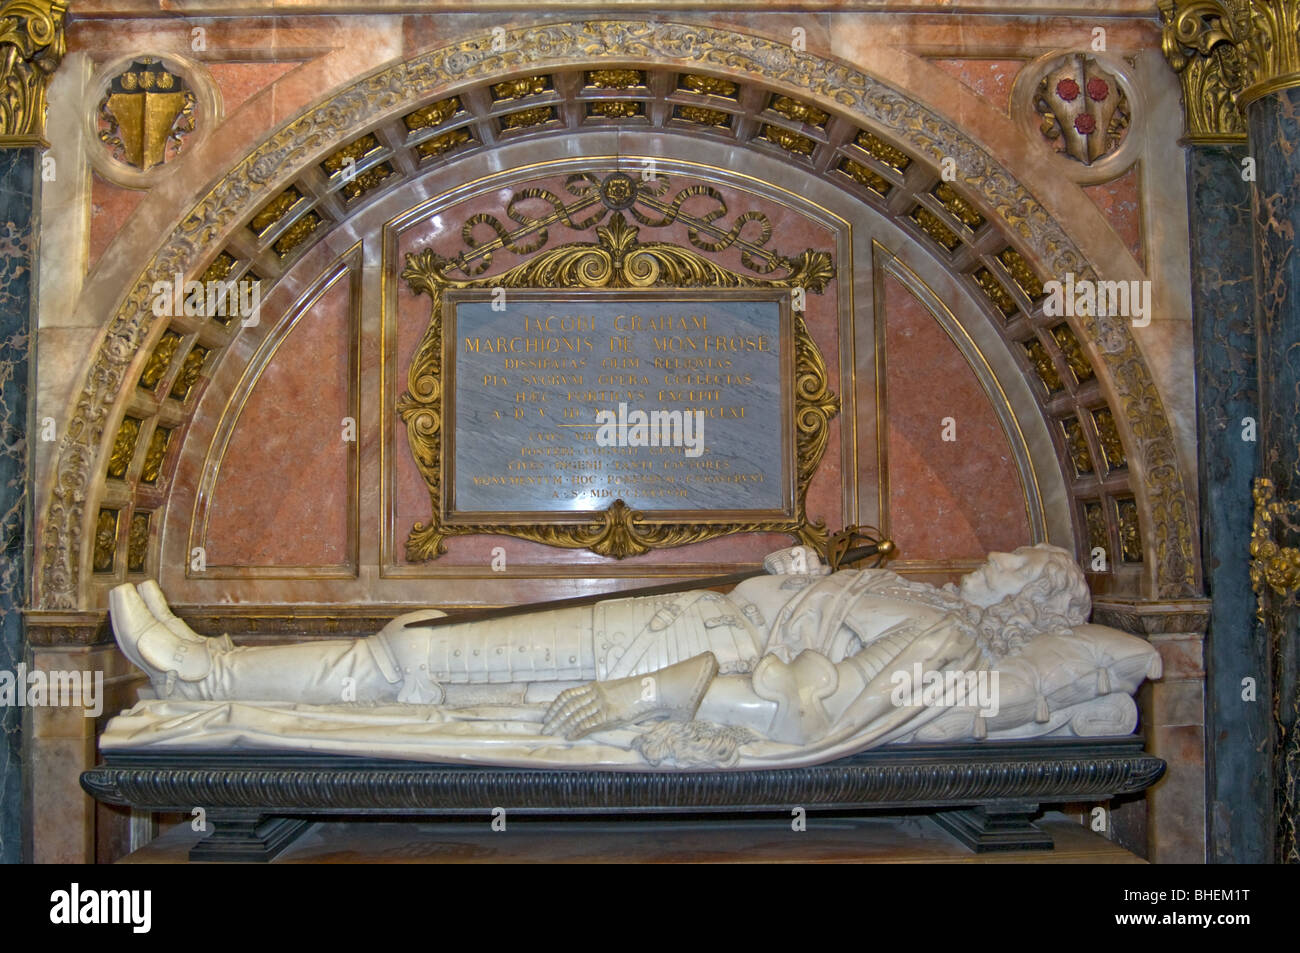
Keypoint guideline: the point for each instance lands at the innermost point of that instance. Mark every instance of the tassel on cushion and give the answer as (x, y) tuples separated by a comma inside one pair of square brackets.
[(1155, 668)]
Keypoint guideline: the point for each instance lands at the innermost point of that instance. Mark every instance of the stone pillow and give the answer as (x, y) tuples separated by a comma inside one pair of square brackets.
[(1095, 660)]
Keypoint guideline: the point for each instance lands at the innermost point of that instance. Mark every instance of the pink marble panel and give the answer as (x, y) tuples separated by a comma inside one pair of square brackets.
[(992, 79), (238, 81), (947, 499), (110, 207), (282, 495), (1120, 201)]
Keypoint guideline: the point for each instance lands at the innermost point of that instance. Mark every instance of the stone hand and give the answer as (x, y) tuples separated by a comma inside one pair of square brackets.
[(673, 692)]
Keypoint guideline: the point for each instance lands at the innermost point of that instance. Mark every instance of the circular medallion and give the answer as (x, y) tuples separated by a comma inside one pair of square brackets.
[(618, 192), (1085, 108), (147, 111)]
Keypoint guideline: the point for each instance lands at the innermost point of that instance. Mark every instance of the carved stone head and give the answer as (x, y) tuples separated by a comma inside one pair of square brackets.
[(1044, 577)]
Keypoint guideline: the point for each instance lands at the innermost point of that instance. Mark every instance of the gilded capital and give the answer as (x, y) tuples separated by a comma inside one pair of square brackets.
[(1229, 53), (31, 47)]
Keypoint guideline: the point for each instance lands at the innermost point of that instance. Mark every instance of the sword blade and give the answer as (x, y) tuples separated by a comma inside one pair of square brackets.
[(685, 585)]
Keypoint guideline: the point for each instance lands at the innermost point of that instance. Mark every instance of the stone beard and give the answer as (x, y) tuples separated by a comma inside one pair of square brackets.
[(787, 669)]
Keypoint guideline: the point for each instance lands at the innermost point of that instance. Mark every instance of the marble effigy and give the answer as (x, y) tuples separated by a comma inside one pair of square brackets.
[(795, 667)]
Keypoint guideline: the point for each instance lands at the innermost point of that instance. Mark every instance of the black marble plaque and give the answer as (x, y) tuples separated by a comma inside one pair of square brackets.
[(680, 403)]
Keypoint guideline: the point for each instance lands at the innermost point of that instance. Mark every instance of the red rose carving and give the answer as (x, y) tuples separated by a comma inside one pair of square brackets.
[(1067, 89), (1085, 124), (1098, 89)]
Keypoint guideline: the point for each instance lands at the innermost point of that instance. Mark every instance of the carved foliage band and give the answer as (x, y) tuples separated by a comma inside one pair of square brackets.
[(616, 260)]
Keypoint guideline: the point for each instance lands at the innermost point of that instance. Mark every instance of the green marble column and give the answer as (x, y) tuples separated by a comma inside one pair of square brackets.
[(1239, 64), (31, 46), (1239, 812), (1274, 124), (19, 180)]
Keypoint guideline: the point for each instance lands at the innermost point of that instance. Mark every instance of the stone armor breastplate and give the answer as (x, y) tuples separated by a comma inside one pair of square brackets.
[(613, 639)]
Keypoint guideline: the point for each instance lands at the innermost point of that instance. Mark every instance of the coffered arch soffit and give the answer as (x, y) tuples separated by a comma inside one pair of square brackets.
[(834, 121)]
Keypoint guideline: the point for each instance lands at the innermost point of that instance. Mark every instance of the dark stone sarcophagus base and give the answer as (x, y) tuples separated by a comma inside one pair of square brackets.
[(986, 795)]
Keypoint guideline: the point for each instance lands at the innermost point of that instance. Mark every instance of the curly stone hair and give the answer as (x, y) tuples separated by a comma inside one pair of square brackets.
[(1051, 602)]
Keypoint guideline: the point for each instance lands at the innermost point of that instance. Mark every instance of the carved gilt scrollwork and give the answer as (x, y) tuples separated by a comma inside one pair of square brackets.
[(618, 259)]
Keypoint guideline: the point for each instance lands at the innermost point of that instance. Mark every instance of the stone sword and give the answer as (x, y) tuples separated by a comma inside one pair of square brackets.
[(838, 554)]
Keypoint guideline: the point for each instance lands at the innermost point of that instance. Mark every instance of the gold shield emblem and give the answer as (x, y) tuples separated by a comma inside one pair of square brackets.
[(1084, 106), (145, 113)]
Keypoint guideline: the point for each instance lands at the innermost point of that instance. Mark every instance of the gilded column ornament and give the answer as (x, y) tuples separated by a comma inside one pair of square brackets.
[(1227, 54), (1275, 577), (1272, 566), (31, 36)]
